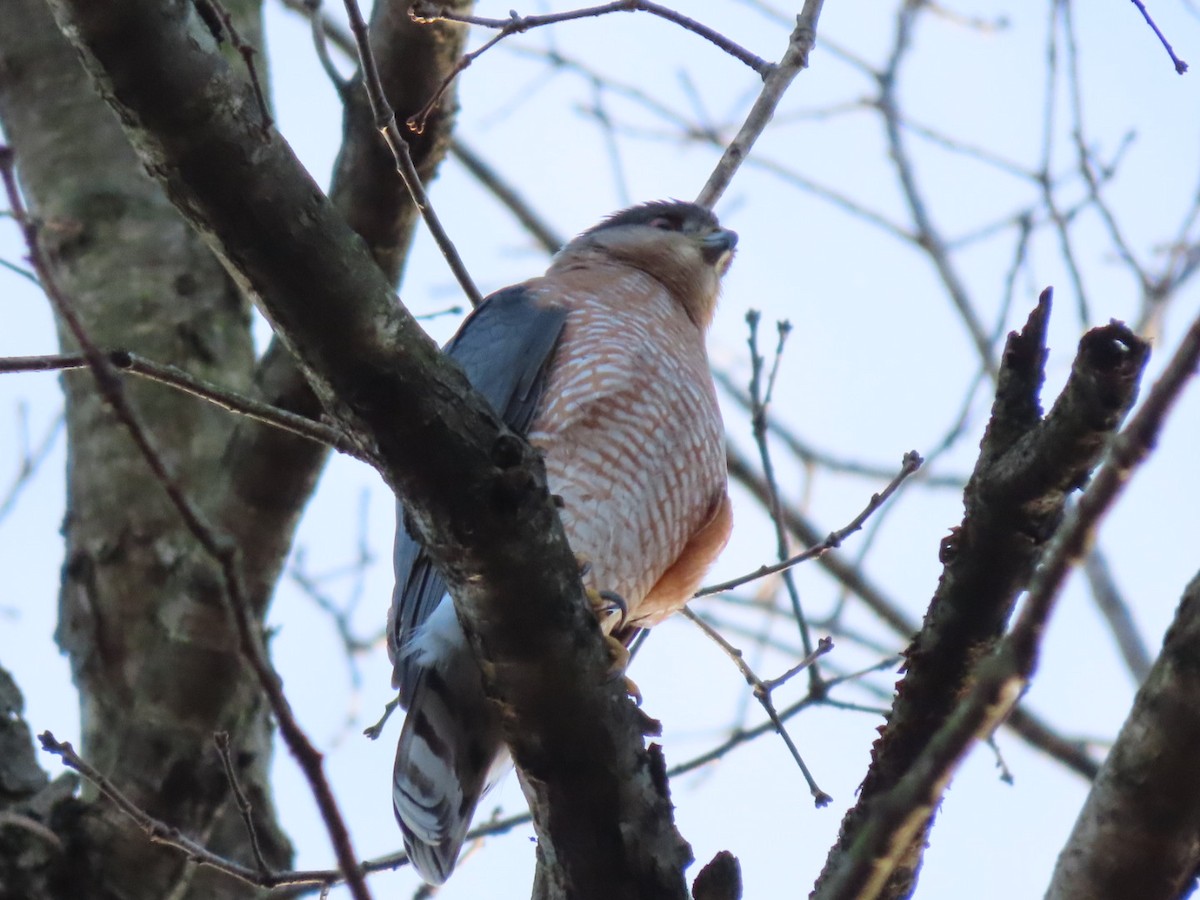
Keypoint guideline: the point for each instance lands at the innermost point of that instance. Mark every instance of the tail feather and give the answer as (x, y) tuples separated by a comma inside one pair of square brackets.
[(450, 752)]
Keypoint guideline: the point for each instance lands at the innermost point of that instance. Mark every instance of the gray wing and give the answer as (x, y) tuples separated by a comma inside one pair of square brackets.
[(505, 347)]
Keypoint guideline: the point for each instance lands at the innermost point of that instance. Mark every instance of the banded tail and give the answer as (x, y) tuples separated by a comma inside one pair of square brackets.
[(450, 751)]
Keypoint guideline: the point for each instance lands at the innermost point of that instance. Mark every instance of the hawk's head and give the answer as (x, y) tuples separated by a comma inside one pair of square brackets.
[(680, 244)]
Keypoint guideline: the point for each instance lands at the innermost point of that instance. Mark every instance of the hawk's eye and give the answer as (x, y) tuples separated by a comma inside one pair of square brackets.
[(665, 223)]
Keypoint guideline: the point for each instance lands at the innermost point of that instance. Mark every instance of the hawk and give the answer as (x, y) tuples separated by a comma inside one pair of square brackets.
[(601, 365)]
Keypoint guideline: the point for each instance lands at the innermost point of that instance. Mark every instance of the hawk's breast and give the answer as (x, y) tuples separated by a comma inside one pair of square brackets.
[(631, 432)]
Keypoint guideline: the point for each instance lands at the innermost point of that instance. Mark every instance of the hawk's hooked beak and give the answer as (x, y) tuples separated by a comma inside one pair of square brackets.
[(716, 245)]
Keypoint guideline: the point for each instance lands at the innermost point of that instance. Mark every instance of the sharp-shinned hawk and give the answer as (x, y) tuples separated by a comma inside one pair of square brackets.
[(601, 365)]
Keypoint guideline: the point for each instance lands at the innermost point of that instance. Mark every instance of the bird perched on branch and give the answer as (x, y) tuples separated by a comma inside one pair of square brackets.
[(600, 364)]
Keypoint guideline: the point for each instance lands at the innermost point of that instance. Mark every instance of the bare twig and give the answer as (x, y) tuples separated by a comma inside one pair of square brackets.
[(612, 147), (742, 736), (18, 270), (216, 546), (759, 398), (1180, 65), (736, 739), (168, 835), (124, 361), (815, 456), (31, 458), (221, 742), (426, 11), (927, 236), (219, 22), (912, 461), (342, 614), (1118, 616), (800, 44), (1002, 676), (324, 30), (762, 693), (1070, 752), (1086, 167), (1049, 121), (330, 30), (550, 240), (385, 121), (690, 131), (824, 645)]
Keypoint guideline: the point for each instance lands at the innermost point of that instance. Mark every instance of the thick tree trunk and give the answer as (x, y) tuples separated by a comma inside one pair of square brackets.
[(150, 645), (476, 495), (1138, 834)]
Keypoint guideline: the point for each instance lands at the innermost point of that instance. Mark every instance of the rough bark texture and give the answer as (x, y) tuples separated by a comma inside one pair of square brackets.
[(153, 656), (413, 60), (270, 474), (150, 646), (1138, 834), (1028, 464), (477, 495)]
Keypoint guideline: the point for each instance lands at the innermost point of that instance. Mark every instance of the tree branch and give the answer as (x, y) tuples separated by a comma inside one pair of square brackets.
[(1013, 504), (897, 815), (124, 361), (476, 494), (1138, 833), (795, 58)]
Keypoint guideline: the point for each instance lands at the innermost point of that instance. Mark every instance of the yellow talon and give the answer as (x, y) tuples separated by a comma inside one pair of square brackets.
[(603, 604), (618, 654), (633, 691)]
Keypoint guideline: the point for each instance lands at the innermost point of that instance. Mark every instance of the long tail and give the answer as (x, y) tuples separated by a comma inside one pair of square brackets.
[(450, 752)]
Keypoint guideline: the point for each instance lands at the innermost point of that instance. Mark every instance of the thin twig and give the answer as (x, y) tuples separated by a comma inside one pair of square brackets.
[(221, 741), (1061, 223), (762, 693), (341, 615), (1180, 65), (690, 131), (214, 544), (736, 739), (1072, 753), (742, 736), (330, 30), (1117, 614), (1086, 169), (811, 455), (758, 421), (550, 240), (322, 29), (912, 461), (31, 459), (927, 236), (325, 30), (426, 11), (385, 122), (172, 376), (612, 146), (168, 835), (18, 270), (1002, 677), (824, 645), (220, 23), (800, 44)]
